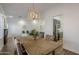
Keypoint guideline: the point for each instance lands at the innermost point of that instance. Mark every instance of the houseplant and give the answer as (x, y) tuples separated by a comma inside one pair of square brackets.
[(34, 33)]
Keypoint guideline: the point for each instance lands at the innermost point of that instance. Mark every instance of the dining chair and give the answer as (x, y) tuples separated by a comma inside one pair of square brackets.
[(21, 49)]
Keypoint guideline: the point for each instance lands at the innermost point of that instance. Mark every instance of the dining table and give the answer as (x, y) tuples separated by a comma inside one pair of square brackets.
[(40, 46)]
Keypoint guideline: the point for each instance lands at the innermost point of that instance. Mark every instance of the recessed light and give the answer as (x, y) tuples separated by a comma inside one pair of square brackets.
[(21, 22), (10, 16)]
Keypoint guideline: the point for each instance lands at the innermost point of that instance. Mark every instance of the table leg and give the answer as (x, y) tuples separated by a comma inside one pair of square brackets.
[(53, 53)]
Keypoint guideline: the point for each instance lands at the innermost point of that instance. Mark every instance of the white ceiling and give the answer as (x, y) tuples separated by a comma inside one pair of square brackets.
[(21, 9)]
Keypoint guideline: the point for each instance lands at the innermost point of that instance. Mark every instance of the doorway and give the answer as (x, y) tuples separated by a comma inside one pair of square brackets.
[(57, 28)]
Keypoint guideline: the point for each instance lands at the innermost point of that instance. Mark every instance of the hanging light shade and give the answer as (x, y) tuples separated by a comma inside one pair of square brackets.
[(34, 13)]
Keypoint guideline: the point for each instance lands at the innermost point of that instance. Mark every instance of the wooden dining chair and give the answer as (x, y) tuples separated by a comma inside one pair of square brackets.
[(21, 49)]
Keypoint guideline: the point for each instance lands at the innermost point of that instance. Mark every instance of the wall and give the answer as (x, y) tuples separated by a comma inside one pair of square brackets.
[(70, 18), (17, 25), (48, 18), (1, 27)]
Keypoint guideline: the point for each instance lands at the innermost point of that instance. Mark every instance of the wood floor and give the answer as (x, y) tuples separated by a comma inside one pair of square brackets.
[(65, 52)]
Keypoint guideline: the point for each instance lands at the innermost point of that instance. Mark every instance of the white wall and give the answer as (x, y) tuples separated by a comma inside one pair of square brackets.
[(1, 27), (70, 14), (48, 18), (15, 28)]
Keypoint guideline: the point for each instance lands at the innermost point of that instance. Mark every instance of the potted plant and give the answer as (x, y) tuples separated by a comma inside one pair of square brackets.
[(34, 33)]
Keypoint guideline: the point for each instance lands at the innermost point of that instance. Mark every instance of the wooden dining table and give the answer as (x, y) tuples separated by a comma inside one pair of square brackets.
[(40, 46)]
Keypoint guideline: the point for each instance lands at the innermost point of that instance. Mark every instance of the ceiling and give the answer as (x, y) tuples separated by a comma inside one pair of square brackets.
[(21, 9)]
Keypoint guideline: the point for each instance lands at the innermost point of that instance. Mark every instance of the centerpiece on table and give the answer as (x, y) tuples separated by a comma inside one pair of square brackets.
[(34, 33)]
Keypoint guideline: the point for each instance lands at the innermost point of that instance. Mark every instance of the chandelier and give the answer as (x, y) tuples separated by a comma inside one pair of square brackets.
[(34, 13)]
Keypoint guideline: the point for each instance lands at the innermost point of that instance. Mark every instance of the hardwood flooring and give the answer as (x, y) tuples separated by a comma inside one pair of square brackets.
[(6, 49), (65, 52)]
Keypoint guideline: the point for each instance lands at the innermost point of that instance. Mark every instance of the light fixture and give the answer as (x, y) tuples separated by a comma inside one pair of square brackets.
[(10, 16), (21, 22), (34, 13), (34, 21)]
